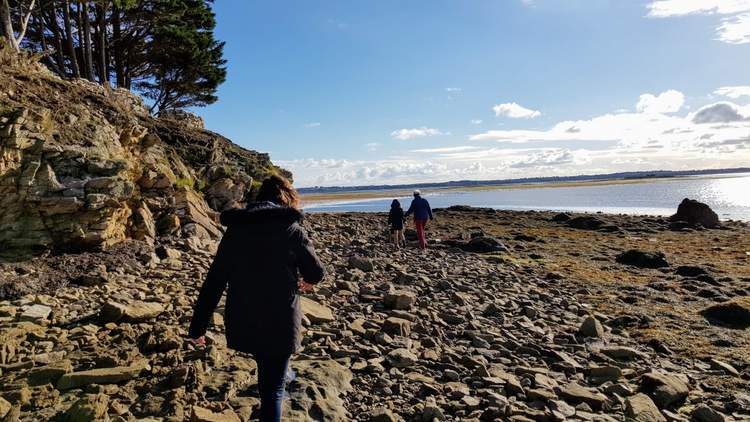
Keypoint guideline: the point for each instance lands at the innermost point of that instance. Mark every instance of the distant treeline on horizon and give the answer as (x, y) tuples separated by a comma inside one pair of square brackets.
[(579, 178)]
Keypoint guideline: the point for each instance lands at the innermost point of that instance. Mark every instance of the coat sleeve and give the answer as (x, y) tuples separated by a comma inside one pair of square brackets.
[(309, 265), (410, 210), (212, 289), (429, 209)]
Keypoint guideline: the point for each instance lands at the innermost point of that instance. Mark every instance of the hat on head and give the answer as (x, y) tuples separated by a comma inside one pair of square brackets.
[(417, 192)]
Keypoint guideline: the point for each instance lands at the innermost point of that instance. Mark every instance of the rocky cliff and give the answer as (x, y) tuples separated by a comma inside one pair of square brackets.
[(84, 167)]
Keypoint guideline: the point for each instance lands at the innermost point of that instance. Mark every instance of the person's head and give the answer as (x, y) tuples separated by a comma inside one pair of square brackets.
[(417, 193), (395, 204), (278, 190)]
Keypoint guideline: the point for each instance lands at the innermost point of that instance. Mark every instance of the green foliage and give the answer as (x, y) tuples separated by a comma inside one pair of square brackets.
[(184, 182), (186, 61)]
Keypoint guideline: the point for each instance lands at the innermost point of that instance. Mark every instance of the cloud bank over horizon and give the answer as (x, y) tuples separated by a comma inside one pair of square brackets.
[(654, 135)]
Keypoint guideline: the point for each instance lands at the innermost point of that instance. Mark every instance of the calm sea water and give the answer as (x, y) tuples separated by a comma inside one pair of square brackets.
[(728, 195)]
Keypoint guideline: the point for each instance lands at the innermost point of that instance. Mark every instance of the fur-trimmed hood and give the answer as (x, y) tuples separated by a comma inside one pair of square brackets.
[(261, 212)]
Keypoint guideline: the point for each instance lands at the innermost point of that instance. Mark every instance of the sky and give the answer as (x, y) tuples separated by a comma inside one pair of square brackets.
[(365, 92)]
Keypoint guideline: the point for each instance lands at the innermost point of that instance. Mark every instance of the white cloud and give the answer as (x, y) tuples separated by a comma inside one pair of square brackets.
[(515, 111), (666, 102), (733, 92), (723, 112), (476, 121), (312, 124), (446, 149), (669, 8), (734, 27), (405, 134), (545, 158), (735, 30), (719, 127)]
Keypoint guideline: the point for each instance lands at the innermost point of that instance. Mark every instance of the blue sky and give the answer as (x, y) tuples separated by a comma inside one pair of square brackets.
[(363, 92)]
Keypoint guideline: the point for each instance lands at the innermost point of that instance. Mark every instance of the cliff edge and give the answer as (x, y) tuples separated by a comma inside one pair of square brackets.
[(84, 167)]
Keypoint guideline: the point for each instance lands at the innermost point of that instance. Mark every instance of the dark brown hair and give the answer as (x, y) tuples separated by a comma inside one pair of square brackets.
[(279, 190)]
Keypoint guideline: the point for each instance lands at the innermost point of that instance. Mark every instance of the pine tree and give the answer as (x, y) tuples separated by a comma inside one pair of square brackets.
[(185, 60)]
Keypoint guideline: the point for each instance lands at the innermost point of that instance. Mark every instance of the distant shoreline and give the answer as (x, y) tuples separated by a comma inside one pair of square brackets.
[(362, 195)]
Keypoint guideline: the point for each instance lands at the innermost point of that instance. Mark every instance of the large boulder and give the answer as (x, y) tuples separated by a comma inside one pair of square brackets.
[(695, 213), (666, 390), (484, 244), (733, 313), (641, 259), (317, 392), (585, 222)]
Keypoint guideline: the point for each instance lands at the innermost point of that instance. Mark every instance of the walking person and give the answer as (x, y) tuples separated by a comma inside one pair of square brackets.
[(422, 212), (396, 220), (265, 258)]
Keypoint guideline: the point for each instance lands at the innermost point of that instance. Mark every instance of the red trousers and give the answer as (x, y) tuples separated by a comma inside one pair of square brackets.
[(420, 224)]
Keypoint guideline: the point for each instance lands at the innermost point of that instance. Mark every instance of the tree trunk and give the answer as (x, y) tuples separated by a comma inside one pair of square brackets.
[(69, 40), (101, 12), (51, 22), (116, 47), (24, 23), (7, 25), (88, 57)]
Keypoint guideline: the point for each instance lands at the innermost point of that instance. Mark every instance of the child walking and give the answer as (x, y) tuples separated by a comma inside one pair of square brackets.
[(396, 220)]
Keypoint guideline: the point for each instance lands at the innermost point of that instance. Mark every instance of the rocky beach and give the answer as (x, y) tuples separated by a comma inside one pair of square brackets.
[(109, 219), (508, 316)]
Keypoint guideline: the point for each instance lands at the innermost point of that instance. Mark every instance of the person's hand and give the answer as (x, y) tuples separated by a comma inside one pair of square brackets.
[(304, 286), (199, 341)]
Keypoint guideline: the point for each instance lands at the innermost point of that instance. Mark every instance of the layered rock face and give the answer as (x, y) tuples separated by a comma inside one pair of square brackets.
[(85, 167)]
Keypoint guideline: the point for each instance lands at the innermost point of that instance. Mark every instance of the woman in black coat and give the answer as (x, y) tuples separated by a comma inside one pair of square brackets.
[(264, 258)]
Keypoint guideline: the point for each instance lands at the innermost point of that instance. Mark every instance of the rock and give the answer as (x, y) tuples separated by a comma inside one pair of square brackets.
[(399, 299), (317, 392), (591, 327), (703, 413), (315, 312), (382, 414), (196, 217), (690, 271), (640, 408), (164, 252), (694, 212), (484, 244), (101, 376), (36, 313), (91, 408), (361, 263), (602, 374), (397, 326), (733, 313), (401, 358), (723, 366), (585, 222), (136, 311), (576, 394), (561, 217), (5, 407), (640, 259), (144, 227), (621, 353), (50, 373), (201, 414), (665, 390)]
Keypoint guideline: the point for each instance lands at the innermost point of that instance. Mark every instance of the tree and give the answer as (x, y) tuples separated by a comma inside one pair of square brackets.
[(185, 60), (164, 49), (6, 22)]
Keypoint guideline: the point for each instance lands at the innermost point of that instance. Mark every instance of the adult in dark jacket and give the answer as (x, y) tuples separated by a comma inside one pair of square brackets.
[(261, 259), (422, 212)]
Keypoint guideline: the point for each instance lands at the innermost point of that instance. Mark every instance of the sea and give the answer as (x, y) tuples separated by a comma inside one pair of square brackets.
[(727, 194)]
